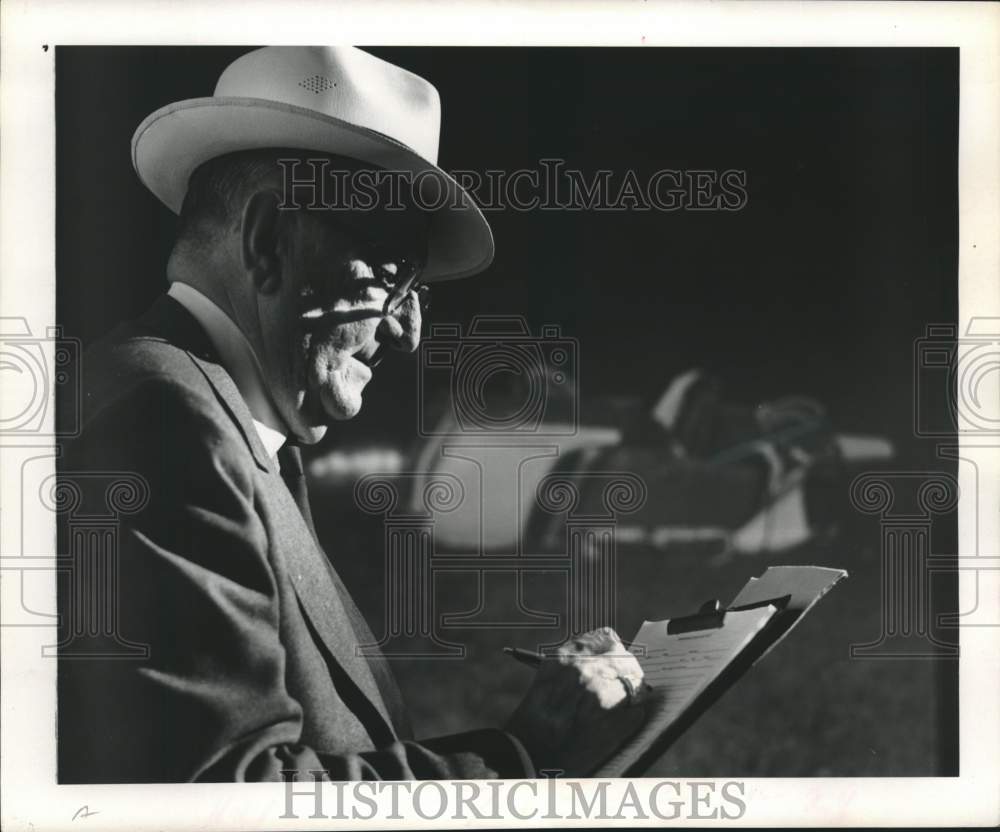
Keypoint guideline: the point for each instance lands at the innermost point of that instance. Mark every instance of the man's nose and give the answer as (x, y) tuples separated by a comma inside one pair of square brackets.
[(401, 329)]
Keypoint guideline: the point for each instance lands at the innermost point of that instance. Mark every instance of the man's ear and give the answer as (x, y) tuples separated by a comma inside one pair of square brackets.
[(263, 241)]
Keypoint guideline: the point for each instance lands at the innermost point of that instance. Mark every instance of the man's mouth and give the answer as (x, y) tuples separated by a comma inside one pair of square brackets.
[(372, 359)]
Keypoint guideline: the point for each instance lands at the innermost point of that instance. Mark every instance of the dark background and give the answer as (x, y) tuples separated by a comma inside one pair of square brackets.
[(846, 250)]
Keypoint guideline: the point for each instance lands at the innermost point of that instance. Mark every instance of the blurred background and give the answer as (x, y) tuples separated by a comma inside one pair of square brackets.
[(745, 365)]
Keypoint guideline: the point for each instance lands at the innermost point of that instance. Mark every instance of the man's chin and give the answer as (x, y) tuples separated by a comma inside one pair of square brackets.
[(327, 406), (313, 434), (339, 405), (311, 423)]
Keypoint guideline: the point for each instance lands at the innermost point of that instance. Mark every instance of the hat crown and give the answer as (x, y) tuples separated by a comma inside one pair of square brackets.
[(344, 83), (336, 100)]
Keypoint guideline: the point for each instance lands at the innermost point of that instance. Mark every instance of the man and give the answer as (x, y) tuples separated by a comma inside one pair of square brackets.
[(273, 324)]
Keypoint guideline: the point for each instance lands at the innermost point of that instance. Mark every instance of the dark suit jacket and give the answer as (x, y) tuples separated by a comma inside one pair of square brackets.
[(251, 634)]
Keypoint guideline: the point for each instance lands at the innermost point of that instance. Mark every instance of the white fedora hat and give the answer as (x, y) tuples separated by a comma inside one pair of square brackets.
[(332, 99)]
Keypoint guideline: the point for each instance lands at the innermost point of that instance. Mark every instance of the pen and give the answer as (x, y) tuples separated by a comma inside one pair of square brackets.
[(524, 656), (534, 659)]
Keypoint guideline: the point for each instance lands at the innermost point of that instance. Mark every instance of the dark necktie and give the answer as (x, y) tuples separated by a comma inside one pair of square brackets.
[(290, 460)]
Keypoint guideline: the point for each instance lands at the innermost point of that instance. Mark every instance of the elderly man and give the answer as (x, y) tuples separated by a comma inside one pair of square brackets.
[(274, 321)]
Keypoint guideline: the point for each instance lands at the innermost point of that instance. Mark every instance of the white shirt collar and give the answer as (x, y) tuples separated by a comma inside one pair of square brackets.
[(240, 361)]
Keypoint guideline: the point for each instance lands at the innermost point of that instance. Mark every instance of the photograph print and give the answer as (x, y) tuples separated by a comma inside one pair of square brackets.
[(412, 391)]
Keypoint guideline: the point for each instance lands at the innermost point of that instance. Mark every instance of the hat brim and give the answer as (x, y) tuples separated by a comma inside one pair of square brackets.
[(173, 141)]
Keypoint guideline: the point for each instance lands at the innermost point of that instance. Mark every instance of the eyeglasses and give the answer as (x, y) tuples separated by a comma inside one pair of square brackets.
[(398, 275), (399, 289)]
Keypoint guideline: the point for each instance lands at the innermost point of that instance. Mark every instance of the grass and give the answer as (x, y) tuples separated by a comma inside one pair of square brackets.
[(807, 710)]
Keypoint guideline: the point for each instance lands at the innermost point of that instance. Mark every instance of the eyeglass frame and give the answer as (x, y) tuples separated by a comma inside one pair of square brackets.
[(396, 292)]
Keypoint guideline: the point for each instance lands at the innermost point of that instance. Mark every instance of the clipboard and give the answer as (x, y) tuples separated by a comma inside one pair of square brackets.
[(708, 652)]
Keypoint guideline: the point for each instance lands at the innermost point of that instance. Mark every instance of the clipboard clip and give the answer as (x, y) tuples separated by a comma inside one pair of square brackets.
[(710, 616)]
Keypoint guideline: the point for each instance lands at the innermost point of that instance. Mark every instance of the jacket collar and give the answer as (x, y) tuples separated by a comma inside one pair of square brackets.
[(241, 362), (171, 317)]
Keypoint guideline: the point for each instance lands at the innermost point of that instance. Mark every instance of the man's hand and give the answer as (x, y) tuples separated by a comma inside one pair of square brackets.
[(579, 709)]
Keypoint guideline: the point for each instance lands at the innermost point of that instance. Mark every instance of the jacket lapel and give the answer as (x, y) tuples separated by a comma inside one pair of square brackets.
[(229, 397), (322, 594), (319, 590)]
